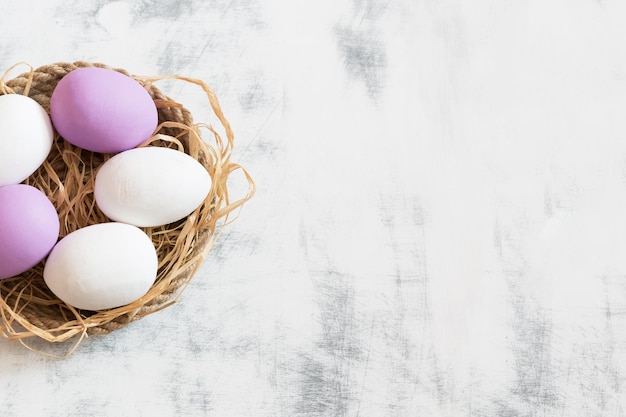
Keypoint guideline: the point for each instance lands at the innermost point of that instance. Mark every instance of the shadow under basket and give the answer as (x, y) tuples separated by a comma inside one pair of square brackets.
[(30, 312)]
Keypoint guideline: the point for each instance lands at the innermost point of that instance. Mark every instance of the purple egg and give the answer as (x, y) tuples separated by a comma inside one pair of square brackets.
[(102, 110), (29, 228)]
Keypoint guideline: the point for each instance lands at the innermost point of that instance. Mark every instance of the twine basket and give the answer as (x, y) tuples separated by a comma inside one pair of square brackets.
[(27, 307)]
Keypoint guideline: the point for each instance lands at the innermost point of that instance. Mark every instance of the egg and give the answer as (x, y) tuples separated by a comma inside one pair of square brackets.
[(26, 137), (102, 110), (102, 266), (29, 228), (150, 186)]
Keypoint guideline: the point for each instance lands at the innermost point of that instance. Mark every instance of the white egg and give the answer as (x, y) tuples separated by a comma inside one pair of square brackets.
[(151, 186), (26, 136), (102, 266)]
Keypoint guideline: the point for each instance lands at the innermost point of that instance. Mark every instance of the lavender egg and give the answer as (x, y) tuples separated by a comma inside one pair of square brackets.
[(102, 110), (29, 228)]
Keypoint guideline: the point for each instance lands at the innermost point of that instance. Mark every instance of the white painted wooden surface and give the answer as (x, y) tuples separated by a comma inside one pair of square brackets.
[(440, 224)]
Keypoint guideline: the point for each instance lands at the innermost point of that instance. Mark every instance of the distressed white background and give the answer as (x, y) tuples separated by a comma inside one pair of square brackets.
[(440, 225)]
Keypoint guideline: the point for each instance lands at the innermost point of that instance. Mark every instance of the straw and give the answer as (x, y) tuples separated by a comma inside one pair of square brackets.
[(27, 307)]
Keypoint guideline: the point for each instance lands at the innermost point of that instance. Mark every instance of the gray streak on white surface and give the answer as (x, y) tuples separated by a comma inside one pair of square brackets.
[(439, 228)]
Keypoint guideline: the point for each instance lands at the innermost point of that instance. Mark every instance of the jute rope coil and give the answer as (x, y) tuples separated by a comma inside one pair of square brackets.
[(27, 307)]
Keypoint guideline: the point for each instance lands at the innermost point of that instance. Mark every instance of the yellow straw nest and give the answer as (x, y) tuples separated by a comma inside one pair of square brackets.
[(28, 308)]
